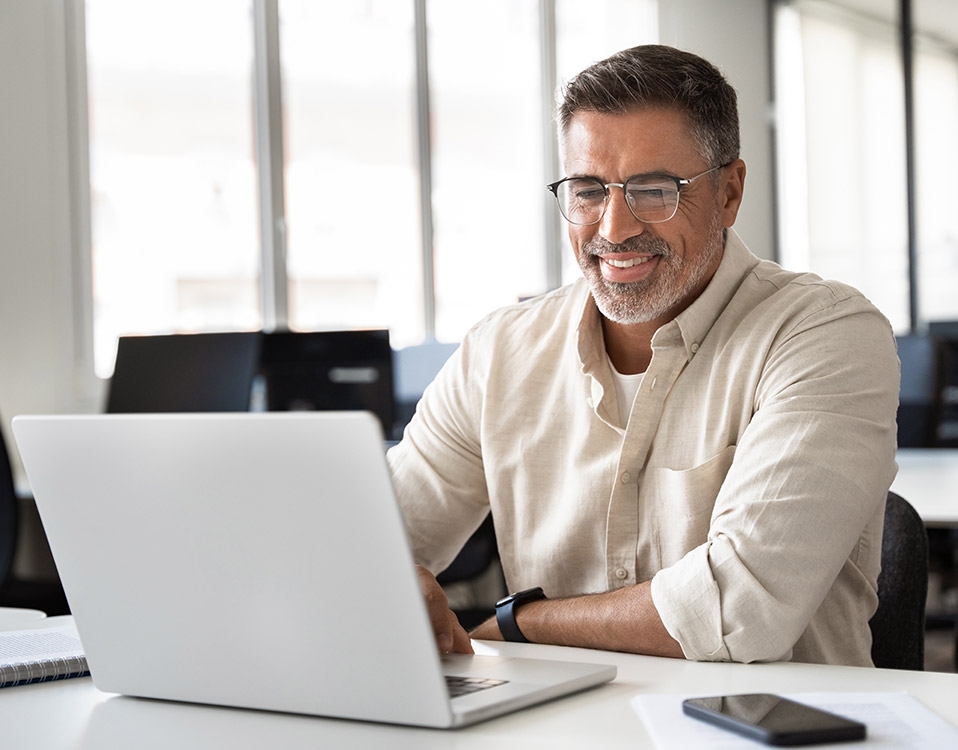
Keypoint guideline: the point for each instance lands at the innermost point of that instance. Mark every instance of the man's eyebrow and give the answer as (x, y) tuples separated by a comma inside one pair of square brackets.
[(654, 173)]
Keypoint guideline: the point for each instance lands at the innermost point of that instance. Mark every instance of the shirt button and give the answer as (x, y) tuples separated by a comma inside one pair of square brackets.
[(621, 574), (694, 348), (626, 477)]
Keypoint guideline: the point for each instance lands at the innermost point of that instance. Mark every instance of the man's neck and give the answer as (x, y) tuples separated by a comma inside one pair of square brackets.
[(629, 346)]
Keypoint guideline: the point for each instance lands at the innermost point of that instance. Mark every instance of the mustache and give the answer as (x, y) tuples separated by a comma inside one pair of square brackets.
[(643, 243)]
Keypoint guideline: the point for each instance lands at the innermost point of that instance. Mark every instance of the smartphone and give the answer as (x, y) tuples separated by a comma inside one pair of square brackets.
[(774, 720)]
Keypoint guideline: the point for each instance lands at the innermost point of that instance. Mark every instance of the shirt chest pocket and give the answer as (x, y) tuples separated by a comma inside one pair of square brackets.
[(676, 508)]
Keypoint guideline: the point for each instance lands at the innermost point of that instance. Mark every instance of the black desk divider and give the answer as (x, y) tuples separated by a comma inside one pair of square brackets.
[(329, 370), (275, 371)]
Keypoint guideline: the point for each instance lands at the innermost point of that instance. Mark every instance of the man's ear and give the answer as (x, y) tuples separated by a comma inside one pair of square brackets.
[(731, 189)]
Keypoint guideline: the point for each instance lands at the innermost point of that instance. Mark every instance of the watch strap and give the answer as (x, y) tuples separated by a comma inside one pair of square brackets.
[(506, 613)]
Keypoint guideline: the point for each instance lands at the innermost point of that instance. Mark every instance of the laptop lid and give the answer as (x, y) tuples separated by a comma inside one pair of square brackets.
[(251, 560)]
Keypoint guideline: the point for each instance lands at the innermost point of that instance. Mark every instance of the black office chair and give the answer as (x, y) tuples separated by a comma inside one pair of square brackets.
[(9, 516), (898, 626), (184, 372), (474, 560)]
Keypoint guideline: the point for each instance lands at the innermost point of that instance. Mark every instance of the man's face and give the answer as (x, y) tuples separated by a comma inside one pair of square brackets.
[(641, 273)]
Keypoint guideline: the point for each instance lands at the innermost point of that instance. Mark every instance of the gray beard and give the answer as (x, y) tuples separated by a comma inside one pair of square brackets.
[(651, 298)]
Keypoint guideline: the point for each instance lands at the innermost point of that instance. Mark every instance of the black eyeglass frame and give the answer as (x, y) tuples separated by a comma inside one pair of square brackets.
[(680, 182)]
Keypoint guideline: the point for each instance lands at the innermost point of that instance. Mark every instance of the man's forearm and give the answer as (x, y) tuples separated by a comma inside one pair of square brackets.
[(622, 620)]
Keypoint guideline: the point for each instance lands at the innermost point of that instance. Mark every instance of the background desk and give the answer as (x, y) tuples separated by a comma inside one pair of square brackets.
[(73, 714), (928, 479)]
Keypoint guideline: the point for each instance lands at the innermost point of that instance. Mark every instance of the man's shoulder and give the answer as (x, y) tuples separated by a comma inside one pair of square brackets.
[(801, 283), (766, 278), (550, 311), (806, 293), (767, 300)]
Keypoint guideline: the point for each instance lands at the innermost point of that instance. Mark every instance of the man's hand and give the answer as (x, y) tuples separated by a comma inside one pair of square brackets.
[(451, 637), (487, 631)]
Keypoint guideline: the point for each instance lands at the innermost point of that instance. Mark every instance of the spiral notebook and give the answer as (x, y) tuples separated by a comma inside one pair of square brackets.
[(255, 560), (41, 654)]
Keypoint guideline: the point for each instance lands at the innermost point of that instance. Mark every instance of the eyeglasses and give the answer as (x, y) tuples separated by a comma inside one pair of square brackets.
[(652, 198)]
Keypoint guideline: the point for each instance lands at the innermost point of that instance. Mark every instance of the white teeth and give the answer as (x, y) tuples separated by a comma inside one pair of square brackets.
[(625, 263)]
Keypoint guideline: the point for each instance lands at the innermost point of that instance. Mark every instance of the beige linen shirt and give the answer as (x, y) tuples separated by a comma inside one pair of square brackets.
[(748, 484)]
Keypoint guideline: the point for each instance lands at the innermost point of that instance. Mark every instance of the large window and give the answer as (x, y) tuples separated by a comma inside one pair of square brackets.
[(378, 99), (850, 169), (487, 158), (936, 157), (352, 202), (172, 175), (843, 190)]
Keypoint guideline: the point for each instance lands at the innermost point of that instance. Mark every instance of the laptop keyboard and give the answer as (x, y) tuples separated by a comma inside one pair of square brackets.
[(458, 686)]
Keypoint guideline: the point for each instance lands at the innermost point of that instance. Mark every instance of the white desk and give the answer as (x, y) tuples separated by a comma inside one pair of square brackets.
[(15, 618), (928, 479), (73, 714)]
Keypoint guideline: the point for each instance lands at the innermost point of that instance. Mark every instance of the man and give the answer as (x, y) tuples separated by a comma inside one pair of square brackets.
[(689, 449)]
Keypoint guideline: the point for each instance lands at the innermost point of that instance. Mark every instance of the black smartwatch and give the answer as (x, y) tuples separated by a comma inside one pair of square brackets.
[(506, 613)]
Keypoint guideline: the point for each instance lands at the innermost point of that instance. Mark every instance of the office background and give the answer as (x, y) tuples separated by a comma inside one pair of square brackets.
[(223, 165), (231, 165), (54, 238)]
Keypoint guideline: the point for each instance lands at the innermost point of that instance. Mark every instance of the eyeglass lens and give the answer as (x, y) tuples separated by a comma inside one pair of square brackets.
[(651, 199)]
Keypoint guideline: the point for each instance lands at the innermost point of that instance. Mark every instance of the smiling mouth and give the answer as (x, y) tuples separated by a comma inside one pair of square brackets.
[(612, 261)]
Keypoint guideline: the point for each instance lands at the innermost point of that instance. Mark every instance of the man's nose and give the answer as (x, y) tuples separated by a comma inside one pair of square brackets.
[(618, 222)]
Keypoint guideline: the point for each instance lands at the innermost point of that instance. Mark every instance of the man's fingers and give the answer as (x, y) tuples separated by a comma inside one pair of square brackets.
[(450, 635), (461, 643)]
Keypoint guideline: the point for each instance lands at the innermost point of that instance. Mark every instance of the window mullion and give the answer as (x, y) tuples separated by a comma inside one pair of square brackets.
[(906, 30), (267, 98), (424, 134), (550, 154)]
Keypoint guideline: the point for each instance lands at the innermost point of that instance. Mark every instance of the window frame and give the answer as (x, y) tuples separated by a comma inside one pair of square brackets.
[(269, 155)]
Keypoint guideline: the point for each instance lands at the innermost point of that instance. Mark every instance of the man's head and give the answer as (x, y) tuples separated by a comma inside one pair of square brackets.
[(650, 111), (656, 76)]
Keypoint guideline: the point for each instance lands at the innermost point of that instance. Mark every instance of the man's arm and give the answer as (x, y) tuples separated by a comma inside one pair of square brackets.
[(622, 620)]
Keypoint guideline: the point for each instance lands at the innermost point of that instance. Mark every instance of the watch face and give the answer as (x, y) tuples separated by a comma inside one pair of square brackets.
[(528, 595)]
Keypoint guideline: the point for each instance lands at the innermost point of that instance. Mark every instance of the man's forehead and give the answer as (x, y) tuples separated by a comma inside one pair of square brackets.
[(650, 138)]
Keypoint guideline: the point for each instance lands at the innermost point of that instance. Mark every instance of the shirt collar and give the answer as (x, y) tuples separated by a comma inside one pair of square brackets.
[(697, 319), (692, 324)]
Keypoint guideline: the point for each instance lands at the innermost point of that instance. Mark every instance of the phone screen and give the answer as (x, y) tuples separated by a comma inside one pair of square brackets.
[(773, 719)]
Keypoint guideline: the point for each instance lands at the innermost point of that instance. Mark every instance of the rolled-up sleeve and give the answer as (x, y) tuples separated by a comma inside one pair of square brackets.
[(796, 524)]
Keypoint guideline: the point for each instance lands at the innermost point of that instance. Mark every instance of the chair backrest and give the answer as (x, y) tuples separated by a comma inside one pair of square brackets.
[(473, 567), (9, 515), (898, 626), (184, 372), (475, 557)]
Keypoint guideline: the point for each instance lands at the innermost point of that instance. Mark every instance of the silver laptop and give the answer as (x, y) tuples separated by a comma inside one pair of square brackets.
[(254, 560)]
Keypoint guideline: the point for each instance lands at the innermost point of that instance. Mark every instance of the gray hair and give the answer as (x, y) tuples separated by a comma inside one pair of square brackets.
[(658, 76)]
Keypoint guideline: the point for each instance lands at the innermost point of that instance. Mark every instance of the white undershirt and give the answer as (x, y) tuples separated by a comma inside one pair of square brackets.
[(626, 386)]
